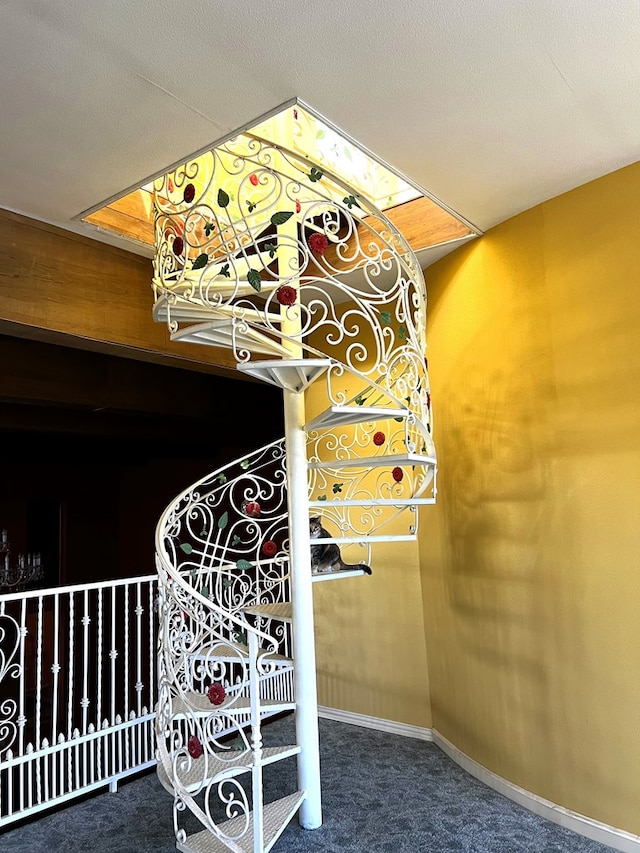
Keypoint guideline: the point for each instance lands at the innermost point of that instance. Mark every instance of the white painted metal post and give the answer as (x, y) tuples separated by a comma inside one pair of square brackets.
[(310, 813)]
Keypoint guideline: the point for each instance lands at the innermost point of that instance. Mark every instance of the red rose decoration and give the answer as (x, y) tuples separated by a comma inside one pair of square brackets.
[(195, 747), (254, 180), (428, 400), (378, 438), (216, 693), (252, 508), (170, 185), (178, 246), (318, 243), (269, 548), (397, 474), (189, 193), (298, 206), (286, 295)]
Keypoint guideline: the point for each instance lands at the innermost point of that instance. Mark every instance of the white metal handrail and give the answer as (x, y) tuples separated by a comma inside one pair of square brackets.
[(77, 691)]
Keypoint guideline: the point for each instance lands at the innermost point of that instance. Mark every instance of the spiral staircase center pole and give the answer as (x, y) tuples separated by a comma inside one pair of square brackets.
[(310, 814)]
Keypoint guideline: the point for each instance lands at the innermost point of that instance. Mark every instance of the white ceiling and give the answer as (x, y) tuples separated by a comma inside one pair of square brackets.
[(491, 106)]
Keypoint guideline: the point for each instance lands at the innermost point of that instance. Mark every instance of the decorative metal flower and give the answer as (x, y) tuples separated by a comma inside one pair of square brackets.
[(286, 295), (378, 438), (253, 180), (178, 246), (269, 548), (397, 474), (189, 193), (318, 243), (194, 747), (216, 693), (252, 508)]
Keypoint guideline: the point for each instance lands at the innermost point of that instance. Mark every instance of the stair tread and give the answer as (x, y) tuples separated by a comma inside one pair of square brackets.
[(221, 333), (375, 461), (291, 374), (277, 816), (343, 415), (199, 704), (223, 764), (281, 610), (222, 651)]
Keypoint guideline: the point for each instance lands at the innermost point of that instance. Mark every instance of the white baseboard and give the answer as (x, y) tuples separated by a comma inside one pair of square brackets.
[(618, 839), (586, 826), (378, 723)]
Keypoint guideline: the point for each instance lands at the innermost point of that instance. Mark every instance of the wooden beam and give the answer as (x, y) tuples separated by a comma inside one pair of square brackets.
[(58, 286)]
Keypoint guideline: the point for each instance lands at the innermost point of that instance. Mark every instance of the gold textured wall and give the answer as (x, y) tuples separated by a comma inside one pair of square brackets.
[(529, 561)]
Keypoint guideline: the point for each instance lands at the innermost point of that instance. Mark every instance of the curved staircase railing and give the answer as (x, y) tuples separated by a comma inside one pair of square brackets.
[(313, 289)]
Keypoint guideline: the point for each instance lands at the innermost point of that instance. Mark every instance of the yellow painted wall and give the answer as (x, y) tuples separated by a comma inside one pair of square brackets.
[(530, 560)]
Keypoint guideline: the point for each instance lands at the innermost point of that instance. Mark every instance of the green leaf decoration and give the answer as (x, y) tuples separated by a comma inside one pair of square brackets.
[(227, 582), (322, 497), (222, 479), (385, 318), (252, 206), (201, 261), (271, 248), (186, 547), (243, 565), (192, 573), (224, 520), (320, 134), (315, 174), (360, 400), (225, 271), (208, 228), (235, 541), (399, 420), (253, 277), (402, 333), (351, 201), (240, 637), (281, 217), (205, 591), (223, 198), (244, 464), (347, 152), (337, 487)]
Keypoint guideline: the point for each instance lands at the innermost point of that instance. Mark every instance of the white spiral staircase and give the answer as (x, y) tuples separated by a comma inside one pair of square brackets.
[(313, 290)]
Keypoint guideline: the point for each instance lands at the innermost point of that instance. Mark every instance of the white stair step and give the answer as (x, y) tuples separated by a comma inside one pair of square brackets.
[(223, 765), (281, 611), (331, 576), (221, 333), (199, 705), (276, 815), (369, 503), (343, 415), (374, 461), (290, 374), (230, 653)]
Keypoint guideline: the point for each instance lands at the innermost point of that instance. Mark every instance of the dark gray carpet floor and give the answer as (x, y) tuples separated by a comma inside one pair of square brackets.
[(381, 793)]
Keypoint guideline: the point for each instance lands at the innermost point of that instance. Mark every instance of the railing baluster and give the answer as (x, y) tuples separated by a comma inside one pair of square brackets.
[(21, 693), (126, 651), (99, 677)]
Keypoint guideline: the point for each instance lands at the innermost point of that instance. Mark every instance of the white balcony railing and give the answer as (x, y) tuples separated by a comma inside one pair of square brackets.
[(77, 691)]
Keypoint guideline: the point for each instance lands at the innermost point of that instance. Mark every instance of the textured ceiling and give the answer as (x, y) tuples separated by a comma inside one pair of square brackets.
[(492, 107)]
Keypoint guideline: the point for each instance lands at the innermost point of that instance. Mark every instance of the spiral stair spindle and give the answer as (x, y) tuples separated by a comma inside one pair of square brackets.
[(311, 287)]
